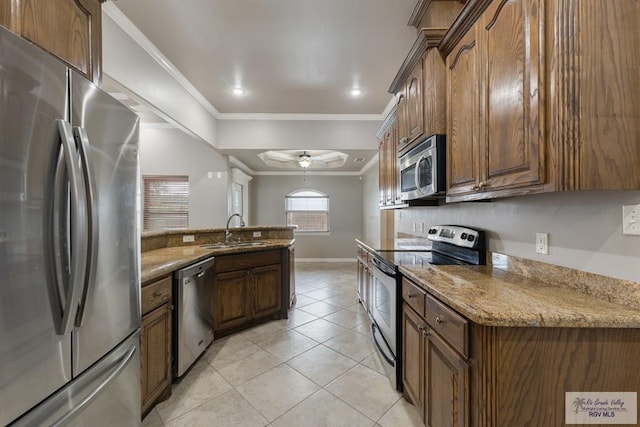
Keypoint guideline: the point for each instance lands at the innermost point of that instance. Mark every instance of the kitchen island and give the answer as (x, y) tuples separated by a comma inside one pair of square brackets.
[(250, 280), (515, 341)]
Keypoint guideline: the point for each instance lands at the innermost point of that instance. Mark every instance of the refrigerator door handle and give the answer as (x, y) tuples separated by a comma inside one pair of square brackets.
[(78, 225), (84, 150), (124, 361)]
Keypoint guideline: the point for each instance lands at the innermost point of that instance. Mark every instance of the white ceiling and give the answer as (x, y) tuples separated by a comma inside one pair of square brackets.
[(292, 56)]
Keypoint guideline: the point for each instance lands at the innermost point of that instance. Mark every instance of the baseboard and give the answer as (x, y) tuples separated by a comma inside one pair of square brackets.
[(325, 259)]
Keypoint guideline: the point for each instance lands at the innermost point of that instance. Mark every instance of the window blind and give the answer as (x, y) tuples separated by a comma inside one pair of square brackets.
[(166, 202)]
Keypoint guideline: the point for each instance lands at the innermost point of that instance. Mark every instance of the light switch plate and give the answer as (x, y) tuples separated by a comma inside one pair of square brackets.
[(188, 238), (631, 219)]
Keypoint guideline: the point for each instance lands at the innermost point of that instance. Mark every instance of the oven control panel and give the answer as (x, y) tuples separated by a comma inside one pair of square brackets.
[(455, 235)]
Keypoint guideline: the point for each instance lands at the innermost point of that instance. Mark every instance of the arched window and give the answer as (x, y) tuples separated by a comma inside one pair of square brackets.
[(307, 209)]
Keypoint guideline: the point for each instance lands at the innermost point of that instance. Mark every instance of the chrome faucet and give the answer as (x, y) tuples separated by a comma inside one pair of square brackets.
[(227, 232)]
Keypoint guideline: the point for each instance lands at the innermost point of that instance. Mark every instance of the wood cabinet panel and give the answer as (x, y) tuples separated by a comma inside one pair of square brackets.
[(414, 296), (246, 260), (447, 378), (414, 106), (413, 328), (448, 324), (155, 294), (155, 356), (266, 290), (435, 97), (230, 300), (69, 29), (462, 118)]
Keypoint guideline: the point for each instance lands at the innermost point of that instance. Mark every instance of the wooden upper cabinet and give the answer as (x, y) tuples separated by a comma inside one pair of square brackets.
[(69, 29), (388, 163), (414, 108), (512, 80), (462, 124), (434, 93)]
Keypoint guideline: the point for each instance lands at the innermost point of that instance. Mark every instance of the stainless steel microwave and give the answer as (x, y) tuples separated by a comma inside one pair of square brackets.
[(422, 169)]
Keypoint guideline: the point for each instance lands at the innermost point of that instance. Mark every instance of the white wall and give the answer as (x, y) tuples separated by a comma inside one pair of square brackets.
[(125, 61), (293, 134), (370, 205), (585, 228), (173, 152), (345, 206)]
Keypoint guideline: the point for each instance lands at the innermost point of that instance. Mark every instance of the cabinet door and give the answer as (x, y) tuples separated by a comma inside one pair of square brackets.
[(413, 358), (434, 96), (446, 385), (230, 300), (390, 158), (462, 124), (382, 171), (69, 29), (512, 74), (266, 282), (414, 108), (403, 139), (155, 350)]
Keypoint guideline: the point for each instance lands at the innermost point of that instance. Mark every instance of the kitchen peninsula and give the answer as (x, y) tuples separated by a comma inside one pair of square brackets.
[(251, 277)]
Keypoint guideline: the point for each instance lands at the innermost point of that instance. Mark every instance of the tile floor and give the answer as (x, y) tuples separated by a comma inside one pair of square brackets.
[(316, 368)]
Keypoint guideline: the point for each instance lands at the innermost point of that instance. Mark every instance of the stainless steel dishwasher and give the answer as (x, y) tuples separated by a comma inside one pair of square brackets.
[(193, 318)]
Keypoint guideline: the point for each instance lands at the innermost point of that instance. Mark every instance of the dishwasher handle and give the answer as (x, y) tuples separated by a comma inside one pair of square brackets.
[(195, 269)]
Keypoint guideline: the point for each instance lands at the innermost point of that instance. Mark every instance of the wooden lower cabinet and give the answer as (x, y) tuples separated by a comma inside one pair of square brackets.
[(247, 289), (459, 373), (155, 342)]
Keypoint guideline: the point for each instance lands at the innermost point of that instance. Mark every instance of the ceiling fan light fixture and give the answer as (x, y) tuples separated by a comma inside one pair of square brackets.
[(304, 160)]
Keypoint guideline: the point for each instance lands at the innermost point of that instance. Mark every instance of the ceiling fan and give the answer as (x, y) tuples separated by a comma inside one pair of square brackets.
[(305, 159)]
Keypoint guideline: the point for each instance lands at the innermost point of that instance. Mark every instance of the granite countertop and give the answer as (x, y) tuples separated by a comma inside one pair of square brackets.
[(160, 262), (490, 296), (397, 244)]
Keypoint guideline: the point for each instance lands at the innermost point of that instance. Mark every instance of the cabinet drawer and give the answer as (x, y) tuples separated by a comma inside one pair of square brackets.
[(156, 294), (414, 296), (448, 324), (246, 260)]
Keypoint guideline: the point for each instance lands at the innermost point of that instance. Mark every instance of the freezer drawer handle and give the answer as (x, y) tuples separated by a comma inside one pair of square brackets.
[(84, 150), (63, 420)]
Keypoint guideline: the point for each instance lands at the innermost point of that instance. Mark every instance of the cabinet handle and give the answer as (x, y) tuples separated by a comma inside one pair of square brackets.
[(420, 328), (425, 332), (439, 320), (157, 293), (410, 295), (475, 187)]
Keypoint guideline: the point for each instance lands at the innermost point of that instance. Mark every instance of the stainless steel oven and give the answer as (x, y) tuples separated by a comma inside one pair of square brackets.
[(384, 313), (422, 169)]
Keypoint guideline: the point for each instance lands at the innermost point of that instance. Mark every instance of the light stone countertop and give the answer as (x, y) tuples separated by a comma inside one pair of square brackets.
[(494, 297), (157, 263)]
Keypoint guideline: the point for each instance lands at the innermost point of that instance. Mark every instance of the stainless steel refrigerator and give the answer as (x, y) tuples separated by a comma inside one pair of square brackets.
[(69, 264)]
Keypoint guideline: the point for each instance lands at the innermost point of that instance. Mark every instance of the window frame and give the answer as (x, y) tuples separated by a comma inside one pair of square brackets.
[(319, 195)]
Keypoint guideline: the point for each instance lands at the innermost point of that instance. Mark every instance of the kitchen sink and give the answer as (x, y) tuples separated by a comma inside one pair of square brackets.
[(232, 245)]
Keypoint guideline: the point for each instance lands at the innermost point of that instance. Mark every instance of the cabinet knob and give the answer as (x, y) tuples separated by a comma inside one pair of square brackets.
[(410, 295), (439, 320), (157, 293), (425, 332)]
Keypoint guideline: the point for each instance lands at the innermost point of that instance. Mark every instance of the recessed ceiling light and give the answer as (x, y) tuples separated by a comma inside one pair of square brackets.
[(358, 159), (238, 91), (356, 91)]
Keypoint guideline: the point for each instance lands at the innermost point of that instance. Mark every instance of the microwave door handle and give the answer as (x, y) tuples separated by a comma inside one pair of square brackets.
[(417, 174)]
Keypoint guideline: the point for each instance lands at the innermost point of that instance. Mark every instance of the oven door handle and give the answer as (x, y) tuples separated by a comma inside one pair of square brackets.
[(380, 266), (375, 331)]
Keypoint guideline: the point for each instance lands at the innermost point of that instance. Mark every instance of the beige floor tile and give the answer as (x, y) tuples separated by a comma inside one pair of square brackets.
[(257, 333), (299, 317), (243, 370), (321, 294), (321, 364), (152, 420), (287, 344), (343, 299), (320, 330), (322, 409), (363, 328), (402, 414), (320, 308), (365, 390), (199, 385), (346, 318), (302, 300), (357, 308), (223, 359), (374, 363), (276, 391), (227, 410), (351, 344)]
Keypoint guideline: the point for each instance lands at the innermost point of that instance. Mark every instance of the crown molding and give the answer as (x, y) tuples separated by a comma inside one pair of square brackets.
[(148, 125), (138, 36), (244, 168), (306, 173), (369, 164), (301, 117)]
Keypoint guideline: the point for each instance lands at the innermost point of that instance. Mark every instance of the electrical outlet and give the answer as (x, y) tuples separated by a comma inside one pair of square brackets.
[(542, 243), (631, 219), (188, 238), (257, 234)]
